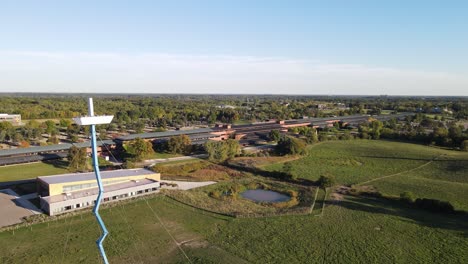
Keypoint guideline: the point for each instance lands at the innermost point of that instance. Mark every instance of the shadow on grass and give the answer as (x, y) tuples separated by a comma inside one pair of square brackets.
[(457, 222), (58, 163), (277, 175)]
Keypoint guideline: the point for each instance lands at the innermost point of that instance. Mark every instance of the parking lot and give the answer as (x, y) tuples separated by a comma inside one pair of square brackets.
[(11, 212)]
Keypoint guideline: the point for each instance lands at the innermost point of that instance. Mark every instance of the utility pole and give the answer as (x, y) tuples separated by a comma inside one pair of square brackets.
[(92, 121)]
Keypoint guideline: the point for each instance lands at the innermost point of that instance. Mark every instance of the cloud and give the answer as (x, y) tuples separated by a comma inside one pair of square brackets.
[(25, 71)]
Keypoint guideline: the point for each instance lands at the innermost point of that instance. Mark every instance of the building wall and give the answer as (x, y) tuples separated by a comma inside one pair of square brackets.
[(88, 201), (14, 119), (57, 188)]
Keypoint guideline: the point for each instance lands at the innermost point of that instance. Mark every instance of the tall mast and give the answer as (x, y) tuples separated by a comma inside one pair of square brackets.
[(92, 121)]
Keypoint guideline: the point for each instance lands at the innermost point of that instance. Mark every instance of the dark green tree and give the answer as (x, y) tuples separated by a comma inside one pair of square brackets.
[(179, 144), (326, 181), (139, 149), (77, 159)]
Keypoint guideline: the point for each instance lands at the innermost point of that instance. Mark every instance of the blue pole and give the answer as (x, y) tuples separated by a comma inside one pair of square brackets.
[(99, 197)]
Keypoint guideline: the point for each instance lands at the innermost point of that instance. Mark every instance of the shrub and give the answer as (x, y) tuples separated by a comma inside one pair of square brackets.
[(215, 194), (407, 197), (326, 181)]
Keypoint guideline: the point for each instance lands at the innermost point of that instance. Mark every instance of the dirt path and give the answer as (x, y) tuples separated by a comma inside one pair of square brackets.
[(401, 172)]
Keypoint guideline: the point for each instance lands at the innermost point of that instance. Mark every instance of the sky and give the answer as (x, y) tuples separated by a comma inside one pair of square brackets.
[(348, 47)]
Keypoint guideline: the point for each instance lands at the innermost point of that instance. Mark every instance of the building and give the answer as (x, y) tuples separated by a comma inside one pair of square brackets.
[(14, 119), (67, 192)]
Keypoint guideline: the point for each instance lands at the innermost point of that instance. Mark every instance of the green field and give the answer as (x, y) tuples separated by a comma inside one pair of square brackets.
[(356, 161), (351, 231), (427, 172), (31, 170)]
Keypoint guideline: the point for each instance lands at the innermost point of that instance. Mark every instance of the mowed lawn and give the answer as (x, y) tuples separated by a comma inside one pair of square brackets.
[(350, 231), (31, 170)]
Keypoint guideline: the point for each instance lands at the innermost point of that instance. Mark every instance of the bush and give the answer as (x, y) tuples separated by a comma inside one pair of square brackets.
[(288, 145), (407, 197), (215, 194), (326, 181)]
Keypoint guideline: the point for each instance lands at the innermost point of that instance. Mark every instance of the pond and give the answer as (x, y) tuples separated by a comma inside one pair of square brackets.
[(259, 195)]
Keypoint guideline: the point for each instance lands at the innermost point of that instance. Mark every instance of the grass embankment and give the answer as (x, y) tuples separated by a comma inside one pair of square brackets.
[(195, 170), (32, 170), (225, 198)]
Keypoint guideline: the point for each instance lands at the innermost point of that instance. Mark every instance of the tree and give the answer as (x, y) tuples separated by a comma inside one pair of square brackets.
[(288, 168), (65, 122), (216, 150), (274, 135), (77, 158), (407, 197), (311, 136), (179, 144), (464, 145), (376, 129), (326, 181), (289, 145), (139, 149), (233, 148), (7, 131), (53, 140), (24, 144), (50, 127)]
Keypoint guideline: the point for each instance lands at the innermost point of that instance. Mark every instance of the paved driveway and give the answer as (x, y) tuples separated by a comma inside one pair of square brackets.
[(11, 211)]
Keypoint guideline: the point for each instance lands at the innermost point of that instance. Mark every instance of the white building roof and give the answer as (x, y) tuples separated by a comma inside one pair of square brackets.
[(76, 177)]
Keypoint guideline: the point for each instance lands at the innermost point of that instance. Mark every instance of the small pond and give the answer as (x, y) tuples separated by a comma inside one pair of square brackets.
[(259, 195)]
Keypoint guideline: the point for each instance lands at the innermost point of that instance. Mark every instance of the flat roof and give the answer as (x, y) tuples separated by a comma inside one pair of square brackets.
[(77, 177), (164, 134), (95, 191), (48, 148)]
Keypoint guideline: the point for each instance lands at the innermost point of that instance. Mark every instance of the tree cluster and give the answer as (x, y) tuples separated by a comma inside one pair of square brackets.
[(220, 151), (290, 146), (179, 145)]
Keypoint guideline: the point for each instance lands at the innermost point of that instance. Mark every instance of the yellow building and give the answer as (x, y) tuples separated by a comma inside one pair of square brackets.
[(67, 192)]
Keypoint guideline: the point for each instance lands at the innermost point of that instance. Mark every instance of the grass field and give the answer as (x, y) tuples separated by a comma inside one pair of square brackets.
[(31, 170), (427, 172), (159, 155), (356, 161), (351, 231)]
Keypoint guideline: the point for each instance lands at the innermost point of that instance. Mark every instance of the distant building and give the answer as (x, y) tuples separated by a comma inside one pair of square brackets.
[(14, 119), (67, 192), (225, 106)]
